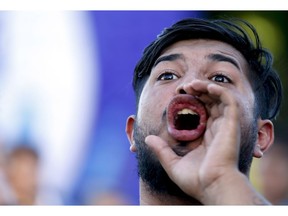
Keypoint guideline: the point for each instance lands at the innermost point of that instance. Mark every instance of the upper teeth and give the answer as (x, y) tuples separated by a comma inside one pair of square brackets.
[(186, 111)]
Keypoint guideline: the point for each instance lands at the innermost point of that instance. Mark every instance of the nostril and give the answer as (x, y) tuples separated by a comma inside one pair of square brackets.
[(182, 91)]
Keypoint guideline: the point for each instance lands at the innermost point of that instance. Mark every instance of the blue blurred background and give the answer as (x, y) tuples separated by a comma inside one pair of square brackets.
[(66, 91)]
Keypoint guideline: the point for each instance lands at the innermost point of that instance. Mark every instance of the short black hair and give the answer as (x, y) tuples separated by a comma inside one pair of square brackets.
[(263, 78)]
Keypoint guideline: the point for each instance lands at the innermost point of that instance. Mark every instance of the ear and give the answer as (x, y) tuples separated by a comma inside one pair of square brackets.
[(130, 132), (265, 137)]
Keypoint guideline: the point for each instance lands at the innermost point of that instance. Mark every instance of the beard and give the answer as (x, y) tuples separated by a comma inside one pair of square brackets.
[(155, 177)]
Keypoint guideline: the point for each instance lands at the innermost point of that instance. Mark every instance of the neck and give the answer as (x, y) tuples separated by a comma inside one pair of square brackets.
[(148, 197)]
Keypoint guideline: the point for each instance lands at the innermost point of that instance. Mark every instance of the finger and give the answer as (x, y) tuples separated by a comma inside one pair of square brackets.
[(197, 86), (228, 103), (229, 119), (200, 89), (221, 104)]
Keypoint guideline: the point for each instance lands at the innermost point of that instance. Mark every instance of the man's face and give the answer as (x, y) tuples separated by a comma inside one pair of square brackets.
[(178, 116)]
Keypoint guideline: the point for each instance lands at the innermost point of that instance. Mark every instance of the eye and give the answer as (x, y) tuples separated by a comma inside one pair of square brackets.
[(167, 76), (221, 78)]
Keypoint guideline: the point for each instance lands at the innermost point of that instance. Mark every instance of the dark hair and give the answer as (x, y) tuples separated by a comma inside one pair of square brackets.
[(263, 78)]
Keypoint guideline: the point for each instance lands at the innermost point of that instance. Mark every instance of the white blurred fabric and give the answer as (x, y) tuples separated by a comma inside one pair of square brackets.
[(48, 90)]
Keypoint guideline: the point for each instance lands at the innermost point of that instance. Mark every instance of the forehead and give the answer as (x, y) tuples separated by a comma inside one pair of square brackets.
[(201, 47)]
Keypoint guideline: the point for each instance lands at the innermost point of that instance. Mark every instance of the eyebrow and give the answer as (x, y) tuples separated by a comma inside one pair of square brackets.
[(220, 58), (171, 57), (214, 57)]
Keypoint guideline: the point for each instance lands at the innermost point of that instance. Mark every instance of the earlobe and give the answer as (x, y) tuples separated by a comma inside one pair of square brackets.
[(265, 137), (130, 132)]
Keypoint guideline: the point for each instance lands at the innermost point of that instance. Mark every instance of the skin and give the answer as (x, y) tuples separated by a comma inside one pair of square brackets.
[(21, 172), (208, 171)]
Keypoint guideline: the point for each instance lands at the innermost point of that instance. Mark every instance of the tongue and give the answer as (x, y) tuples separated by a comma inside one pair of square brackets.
[(186, 131)]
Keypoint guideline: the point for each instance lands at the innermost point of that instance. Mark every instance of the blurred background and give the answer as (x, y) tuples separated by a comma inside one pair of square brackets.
[(65, 94)]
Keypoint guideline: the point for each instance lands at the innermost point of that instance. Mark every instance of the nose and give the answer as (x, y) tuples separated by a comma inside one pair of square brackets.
[(187, 88), (181, 91)]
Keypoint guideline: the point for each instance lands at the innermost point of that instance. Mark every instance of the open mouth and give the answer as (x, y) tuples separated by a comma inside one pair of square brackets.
[(186, 118)]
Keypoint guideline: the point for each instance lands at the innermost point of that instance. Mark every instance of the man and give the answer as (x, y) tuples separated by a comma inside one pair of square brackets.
[(206, 98)]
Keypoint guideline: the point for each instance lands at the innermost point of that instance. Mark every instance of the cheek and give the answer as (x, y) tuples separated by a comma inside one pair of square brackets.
[(249, 105), (246, 100), (246, 109), (247, 120), (247, 97), (152, 104)]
